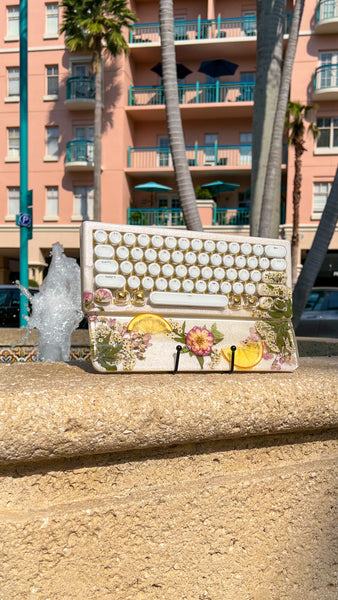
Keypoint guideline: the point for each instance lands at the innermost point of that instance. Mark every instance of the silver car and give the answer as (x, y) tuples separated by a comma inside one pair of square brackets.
[(320, 318)]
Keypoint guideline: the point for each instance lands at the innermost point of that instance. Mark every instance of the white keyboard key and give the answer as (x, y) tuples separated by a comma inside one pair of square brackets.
[(157, 241), (252, 262), (136, 254), (213, 287), (194, 272), (250, 288), (103, 251), (225, 287), (196, 244), (221, 247), (246, 248), (161, 284), (258, 249), (240, 261), (140, 268), (106, 266), (164, 256), (233, 247), (231, 274), (209, 245), (238, 287), (122, 253), (219, 273), (264, 263), (126, 267), (110, 281), (182, 300), (115, 238), (243, 275), (167, 270), (255, 276), (170, 242), (181, 271), (206, 273), (190, 258), (133, 282), (200, 286), (150, 255), (177, 257), (275, 251), (203, 258), (278, 264), (228, 260), (100, 236), (216, 260), (174, 285), (129, 238), (147, 283), (183, 243), (187, 285), (143, 240), (154, 269)]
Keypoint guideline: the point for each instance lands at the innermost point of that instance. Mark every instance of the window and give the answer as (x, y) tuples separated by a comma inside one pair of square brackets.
[(13, 82), (328, 75), (320, 195), (163, 154), (210, 141), (83, 203), (13, 142), (52, 201), (13, 19), (13, 195), (328, 133), (52, 143), (245, 148), (52, 74), (52, 20), (249, 22)]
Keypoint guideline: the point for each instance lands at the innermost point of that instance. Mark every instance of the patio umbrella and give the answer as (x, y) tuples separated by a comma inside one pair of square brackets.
[(218, 67), (182, 70), (216, 187), (152, 186)]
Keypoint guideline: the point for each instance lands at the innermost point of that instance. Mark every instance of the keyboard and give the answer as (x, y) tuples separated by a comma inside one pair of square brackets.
[(160, 299)]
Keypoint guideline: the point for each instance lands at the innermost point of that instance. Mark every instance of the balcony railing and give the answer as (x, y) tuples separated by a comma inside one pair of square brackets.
[(327, 9), (231, 216), (80, 88), (197, 93), (201, 29), (155, 216), (197, 156), (326, 78), (80, 151)]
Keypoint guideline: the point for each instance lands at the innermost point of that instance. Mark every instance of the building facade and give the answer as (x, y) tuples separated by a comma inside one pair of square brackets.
[(217, 120)]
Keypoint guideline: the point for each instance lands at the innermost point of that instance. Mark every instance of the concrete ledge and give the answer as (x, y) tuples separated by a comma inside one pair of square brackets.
[(67, 410)]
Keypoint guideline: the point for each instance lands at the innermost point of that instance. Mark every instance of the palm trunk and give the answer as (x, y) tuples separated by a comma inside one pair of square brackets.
[(97, 68), (174, 123), (316, 254), (270, 211), (297, 184)]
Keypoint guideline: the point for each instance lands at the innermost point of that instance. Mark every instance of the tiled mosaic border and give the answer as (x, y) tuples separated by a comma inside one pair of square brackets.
[(29, 353)]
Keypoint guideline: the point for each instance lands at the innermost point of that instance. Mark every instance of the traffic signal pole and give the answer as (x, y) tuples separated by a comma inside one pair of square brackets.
[(24, 230)]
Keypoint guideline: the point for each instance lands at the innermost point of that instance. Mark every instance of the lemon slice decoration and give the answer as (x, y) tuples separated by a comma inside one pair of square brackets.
[(247, 356), (149, 323)]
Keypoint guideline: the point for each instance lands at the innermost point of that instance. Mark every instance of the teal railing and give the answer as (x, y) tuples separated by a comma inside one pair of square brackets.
[(200, 29), (197, 156), (326, 77), (327, 9), (197, 93), (80, 151), (231, 216), (155, 216), (80, 87)]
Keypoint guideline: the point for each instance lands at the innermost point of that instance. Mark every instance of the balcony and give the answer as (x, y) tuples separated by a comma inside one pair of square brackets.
[(167, 217), (80, 93), (80, 155), (198, 93), (326, 83), (327, 17), (215, 157), (231, 216)]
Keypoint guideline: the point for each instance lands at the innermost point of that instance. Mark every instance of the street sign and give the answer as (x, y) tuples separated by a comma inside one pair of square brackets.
[(24, 220)]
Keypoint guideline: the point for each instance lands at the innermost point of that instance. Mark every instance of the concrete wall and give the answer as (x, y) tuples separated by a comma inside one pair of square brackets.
[(186, 487)]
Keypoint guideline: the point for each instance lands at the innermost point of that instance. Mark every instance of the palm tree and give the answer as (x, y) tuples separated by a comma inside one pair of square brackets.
[(174, 122), (94, 26), (295, 126)]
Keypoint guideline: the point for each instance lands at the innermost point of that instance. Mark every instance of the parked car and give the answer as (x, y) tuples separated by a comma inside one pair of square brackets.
[(320, 318), (10, 305)]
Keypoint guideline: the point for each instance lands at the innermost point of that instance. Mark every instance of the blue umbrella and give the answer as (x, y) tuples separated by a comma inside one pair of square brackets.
[(218, 67), (152, 186), (182, 70), (216, 187)]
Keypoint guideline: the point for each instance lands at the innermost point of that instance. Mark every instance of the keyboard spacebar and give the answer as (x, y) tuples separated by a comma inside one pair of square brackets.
[(180, 299)]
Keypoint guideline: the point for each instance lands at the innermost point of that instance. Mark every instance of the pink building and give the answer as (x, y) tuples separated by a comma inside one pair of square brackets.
[(216, 113)]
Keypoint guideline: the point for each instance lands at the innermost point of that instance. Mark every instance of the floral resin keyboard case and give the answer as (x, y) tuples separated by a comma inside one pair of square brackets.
[(221, 302)]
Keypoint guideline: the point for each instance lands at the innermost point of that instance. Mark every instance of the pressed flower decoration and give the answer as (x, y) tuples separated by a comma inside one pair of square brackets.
[(199, 342)]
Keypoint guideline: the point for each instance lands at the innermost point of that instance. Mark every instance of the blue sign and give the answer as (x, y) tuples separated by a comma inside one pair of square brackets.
[(24, 220)]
